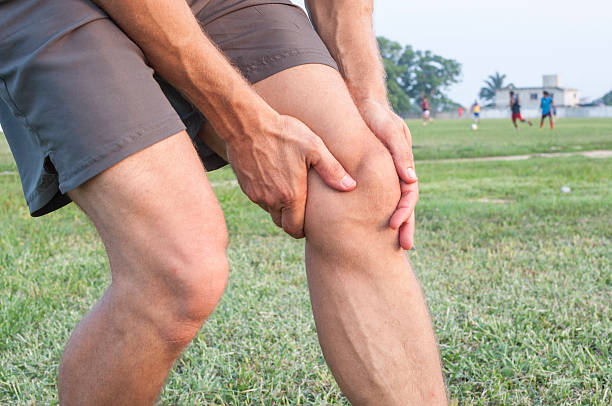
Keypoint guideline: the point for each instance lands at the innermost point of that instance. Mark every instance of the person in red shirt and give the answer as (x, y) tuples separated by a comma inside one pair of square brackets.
[(516, 111), (426, 111)]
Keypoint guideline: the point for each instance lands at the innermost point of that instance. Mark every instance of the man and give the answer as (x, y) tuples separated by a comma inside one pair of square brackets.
[(476, 111), (87, 122), (426, 111), (515, 107), (547, 105)]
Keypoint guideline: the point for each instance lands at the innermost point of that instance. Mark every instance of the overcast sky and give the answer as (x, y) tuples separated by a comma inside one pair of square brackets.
[(523, 39)]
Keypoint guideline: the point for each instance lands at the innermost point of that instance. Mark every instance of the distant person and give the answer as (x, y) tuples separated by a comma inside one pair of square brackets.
[(425, 106), (547, 105), (476, 111), (460, 111), (515, 106)]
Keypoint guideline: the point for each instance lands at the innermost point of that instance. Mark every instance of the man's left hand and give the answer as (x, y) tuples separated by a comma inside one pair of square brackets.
[(395, 135)]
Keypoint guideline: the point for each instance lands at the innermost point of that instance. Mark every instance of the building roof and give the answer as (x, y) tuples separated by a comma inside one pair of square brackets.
[(538, 88)]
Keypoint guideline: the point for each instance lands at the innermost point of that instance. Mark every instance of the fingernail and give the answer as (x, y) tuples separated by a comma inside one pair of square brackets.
[(411, 173), (348, 182)]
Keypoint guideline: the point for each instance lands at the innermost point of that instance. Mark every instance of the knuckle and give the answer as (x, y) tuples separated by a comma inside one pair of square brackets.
[(294, 230), (287, 197), (391, 130), (311, 149), (267, 202), (253, 196), (407, 130), (408, 136), (316, 145)]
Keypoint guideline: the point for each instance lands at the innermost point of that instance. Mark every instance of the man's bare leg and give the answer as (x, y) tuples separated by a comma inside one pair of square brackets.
[(371, 317), (165, 237)]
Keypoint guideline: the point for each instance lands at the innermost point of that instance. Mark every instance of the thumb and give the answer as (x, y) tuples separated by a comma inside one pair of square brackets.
[(330, 170)]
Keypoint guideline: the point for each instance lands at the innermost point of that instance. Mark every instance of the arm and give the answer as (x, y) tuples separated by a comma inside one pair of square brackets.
[(346, 28), (255, 134)]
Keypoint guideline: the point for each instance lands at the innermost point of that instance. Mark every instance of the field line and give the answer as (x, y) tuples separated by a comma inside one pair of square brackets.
[(601, 153)]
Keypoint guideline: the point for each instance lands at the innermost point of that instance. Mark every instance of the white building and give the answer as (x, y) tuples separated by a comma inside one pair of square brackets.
[(529, 97)]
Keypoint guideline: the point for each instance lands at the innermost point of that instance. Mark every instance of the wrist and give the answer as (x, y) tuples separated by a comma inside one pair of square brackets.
[(363, 95), (365, 101), (247, 121), (364, 86)]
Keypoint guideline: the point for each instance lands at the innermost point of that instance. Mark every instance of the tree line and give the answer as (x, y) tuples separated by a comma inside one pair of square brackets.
[(414, 74)]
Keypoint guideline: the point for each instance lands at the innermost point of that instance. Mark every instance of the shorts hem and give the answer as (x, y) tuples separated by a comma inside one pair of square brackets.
[(271, 65), (40, 203)]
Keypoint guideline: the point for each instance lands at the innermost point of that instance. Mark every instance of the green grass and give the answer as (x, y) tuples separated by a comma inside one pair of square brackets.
[(517, 274), (455, 139)]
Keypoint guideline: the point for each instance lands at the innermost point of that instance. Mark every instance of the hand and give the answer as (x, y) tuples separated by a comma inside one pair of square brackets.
[(393, 132), (272, 168)]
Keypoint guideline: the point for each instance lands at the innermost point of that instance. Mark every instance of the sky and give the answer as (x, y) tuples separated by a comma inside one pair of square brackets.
[(523, 39)]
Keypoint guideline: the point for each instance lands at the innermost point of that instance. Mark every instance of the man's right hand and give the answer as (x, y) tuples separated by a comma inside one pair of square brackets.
[(271, 154), (272, 168)]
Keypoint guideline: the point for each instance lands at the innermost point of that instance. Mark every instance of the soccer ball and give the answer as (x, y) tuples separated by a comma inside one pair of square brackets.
[(474, 127)]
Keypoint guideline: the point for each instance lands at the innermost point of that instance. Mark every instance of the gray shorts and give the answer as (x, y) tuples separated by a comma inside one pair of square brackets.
[(77, 95)]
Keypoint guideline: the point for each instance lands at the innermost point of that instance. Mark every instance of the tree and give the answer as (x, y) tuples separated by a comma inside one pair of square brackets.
[(494, 83), (607, 98), (411, 75)]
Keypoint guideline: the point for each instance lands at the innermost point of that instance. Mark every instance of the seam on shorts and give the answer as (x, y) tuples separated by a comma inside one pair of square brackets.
[(70, 27), (268, 60), (15, 110), (12, 104), (204, 23), (47, 179), (116, 145), (111, 148)]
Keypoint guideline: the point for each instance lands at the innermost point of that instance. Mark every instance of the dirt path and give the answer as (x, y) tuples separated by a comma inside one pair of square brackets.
[(603, 153)]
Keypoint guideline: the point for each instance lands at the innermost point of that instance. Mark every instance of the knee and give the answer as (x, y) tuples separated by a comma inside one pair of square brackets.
[(196, 283), (188, 283), (363, 212), (378, 186)]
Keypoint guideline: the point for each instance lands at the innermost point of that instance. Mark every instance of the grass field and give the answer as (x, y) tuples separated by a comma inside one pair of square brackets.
[(517, 274), (449, 138)]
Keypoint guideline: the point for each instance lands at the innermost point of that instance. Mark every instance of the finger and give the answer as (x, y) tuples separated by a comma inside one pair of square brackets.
[(405, 169), (330, 170), (293, 218), (401, 150), (406, 233), (406, 204), (399, 217)]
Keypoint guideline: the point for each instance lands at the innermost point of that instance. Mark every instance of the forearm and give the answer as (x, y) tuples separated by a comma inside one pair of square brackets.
[(178, 50), (346, 28)]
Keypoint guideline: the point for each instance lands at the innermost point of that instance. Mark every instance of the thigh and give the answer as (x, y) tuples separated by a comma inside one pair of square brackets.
[(154, 207), (317, 95)]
